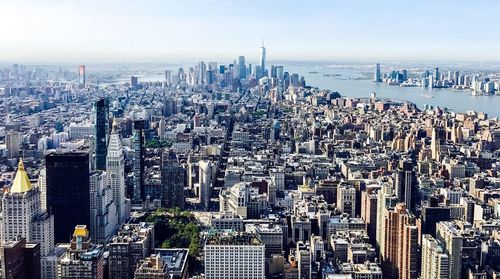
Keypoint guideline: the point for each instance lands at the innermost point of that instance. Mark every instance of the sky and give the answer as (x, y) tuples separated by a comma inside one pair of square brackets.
[(184, 30)]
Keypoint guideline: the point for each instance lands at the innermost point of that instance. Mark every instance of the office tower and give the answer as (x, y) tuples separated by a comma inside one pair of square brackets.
[(438, 142), (20, 260), (448, 234), (13, 141), (202, 71), (346, 199), (103, 215), (153, 267), (138, 162), (431, 215), (400, 254), (205, 182), (303, 255), (22, 215), (168, 77), (170, 107), (262, 63), (406, 184), (404, 74), (435, 263), (81, 76), (172, 181), (234, 255), (42, 185), (436, 73), (134, 82), (101, 122), (68, 191), (377, 76), (369, 211), (82, 259), (131, 244), (115, 166), (242, 68), (162, 128)]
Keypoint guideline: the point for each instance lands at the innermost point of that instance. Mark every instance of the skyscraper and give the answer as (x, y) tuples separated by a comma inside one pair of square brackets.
[(435, 263), (172, 181), (103, 215), (262, 60), (115, 166), (101, 114), (81, 76), (138, 164), (13, 140), (68, 191), (20, 259), (242, 68), (377, 77), (205, 182), (400, 254), (406, 184), (22, 215), (448, 234)]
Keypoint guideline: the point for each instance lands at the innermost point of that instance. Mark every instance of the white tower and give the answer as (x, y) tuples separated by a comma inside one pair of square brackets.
[(263, 58), (115, 167)]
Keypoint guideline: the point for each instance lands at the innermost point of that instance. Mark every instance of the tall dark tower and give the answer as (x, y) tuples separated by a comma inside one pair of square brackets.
[(172, 181), (138, 167), (101, 109), (406, 185), (68, 192)]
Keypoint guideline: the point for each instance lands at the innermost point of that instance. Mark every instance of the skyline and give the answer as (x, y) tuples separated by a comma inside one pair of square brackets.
[(169, 31)]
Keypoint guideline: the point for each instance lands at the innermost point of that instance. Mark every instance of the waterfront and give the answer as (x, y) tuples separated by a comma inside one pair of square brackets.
[(356, 81)]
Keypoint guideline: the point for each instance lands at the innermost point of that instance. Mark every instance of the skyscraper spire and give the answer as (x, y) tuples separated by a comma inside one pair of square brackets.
[(21, 182)]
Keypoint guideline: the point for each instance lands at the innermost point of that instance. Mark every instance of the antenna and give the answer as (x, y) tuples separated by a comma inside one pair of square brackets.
[(262, 42)]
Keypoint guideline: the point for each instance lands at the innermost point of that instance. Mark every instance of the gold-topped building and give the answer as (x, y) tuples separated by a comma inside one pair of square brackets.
[(22, 216), (21, 182)]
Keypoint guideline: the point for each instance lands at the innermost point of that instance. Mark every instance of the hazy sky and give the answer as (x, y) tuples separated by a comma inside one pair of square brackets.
[(174, 30)]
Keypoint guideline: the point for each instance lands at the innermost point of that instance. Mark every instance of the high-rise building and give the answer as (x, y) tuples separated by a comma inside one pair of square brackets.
[(115, 166), (20, 259), (303, 255), (234, 255), (173, 179), (13, 141), (242, 68), (134, 82), (138, 163), (128, 247), (82, 258), (205, 182), (81, 76), (377, 77), (346, 199), (101, 122), (262, 63), (22, 215), (448, 234), (436, 73), (400, 254), (68, 191), (168, 77), (202, 73), (406, 184), (435, 263), (103, 214)]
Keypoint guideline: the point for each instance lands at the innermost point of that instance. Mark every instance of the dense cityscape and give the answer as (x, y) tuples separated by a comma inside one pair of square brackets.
[(241, 171)]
